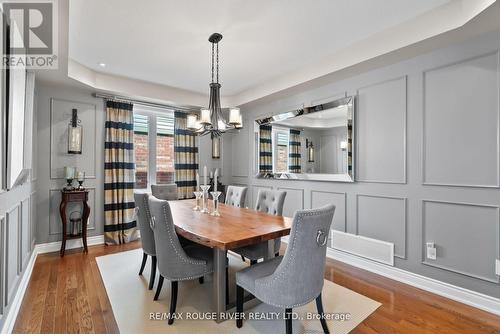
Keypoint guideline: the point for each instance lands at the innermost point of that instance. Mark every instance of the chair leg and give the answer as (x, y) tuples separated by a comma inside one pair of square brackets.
[(242, 258), (288, 321), (158, 287), (144, 259), (252, 262), (153, 272), (201, 280), (239, 305), (319, 306), (173, 302)]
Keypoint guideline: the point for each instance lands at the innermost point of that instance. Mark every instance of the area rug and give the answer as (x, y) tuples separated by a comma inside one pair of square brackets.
[(136, 312)]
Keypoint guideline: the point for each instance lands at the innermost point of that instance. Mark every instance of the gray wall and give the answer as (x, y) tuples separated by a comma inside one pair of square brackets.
[(54, 113), (18, 216), (427, 161), (54, 108)]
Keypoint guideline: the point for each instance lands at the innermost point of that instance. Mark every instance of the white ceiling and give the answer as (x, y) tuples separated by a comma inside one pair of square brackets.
[(165, 41)]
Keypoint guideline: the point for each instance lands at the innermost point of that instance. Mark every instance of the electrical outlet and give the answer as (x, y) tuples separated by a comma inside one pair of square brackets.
[(497, 267), (431, 251)]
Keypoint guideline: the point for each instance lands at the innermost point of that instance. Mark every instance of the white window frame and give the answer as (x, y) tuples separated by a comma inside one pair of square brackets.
[(274, 143), (151, 113)]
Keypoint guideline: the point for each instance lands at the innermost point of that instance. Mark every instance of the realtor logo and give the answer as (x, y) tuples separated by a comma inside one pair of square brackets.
[(32, 34)]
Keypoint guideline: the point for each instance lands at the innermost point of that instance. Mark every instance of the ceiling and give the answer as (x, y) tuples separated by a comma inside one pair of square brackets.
[(165, 41)]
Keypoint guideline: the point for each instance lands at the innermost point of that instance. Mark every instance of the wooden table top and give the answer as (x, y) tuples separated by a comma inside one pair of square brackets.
[(236, 227)]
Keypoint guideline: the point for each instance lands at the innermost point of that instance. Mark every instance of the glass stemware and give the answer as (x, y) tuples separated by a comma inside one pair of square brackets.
[(198, 195), (215, 198), (204, 208)]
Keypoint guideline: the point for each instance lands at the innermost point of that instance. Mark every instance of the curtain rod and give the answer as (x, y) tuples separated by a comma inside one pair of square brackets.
[(146, 103)]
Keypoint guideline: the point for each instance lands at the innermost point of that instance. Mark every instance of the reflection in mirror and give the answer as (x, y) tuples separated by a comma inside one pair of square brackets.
[(311, 143)]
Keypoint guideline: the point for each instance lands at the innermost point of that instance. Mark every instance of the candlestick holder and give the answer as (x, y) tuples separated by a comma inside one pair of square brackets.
[(69, 185), (215, 198), (198, 195), (204, 208)]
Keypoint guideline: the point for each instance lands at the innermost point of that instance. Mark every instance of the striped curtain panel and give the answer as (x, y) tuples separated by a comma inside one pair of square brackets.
[(265, 149), (185, 157), (119, 174), (294, 156)]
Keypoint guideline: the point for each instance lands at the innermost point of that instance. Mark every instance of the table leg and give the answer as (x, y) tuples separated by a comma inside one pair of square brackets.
[(85, 219), (219, 282), (62, 211), (270, 249)]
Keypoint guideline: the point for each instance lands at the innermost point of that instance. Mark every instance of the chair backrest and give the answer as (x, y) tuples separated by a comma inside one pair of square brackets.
[(298, 279), (166, 192), (143, 220), (173, 262), (270, 201), (235, 196)]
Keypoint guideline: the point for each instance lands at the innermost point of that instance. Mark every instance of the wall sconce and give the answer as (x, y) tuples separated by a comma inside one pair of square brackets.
[(216, 148), (310, 150), (343, 145), (75, 133)]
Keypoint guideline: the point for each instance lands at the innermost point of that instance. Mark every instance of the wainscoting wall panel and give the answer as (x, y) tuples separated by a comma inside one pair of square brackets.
[(473, 252), (294, 200), (383, 218), (12, 252), (60, 116), (25, 233), (381, 132), (462, 123), (320, 198), (55, 226), (450, 97), (3, 250), (54, 105)]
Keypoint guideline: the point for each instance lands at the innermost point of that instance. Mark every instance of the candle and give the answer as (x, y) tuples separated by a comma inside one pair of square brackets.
[(211, 174), (80, 176), (205, 175), (215, 179), (197, 181), (69, 173)]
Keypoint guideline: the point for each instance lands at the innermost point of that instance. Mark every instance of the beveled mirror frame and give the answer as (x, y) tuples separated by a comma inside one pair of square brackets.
[(349, 102)]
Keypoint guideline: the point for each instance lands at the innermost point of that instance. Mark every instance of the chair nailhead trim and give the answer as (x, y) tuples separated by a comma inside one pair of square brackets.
[(179, 254), (282, 272)]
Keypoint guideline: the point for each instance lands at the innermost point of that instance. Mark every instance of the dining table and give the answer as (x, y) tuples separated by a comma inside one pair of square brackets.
[(234, 228)]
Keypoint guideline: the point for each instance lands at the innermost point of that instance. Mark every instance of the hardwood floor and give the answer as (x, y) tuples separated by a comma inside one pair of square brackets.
[(68, 296)]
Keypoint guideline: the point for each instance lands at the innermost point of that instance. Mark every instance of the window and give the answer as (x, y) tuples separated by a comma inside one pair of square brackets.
[(154, 154), (280, 148), (141, 151), (164, 150)]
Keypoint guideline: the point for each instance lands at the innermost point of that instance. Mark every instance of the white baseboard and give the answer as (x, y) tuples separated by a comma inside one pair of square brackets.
[(11, 316), (70, 244), (469, 297), (462, 295)]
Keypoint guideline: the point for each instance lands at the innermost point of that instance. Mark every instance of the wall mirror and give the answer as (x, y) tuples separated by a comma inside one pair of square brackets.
[(312, 143)]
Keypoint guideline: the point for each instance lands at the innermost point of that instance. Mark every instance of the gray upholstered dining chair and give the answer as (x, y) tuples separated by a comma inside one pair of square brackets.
[(147, 238), (235, 196), (296, 278), (175, 263), (166, 192), (268, 201)]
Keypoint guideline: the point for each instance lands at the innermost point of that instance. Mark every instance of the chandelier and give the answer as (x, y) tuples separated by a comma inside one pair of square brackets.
[(211, 119)]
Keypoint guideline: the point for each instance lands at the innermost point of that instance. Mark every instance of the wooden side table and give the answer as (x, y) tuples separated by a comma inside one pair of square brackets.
[(68, 197)]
